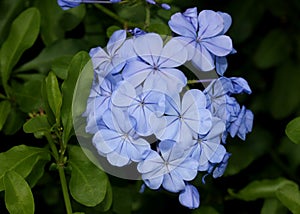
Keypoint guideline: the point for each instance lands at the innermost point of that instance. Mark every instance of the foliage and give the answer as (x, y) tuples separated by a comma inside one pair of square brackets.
[(44, 51)]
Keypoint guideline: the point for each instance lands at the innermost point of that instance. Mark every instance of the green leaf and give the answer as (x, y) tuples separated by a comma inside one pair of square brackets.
[(82, 90), (18, 195), (58, 49), (107, 202), (21, 159), (28, 95), (289, 195), (273, 49), (293, 130), (50, 27), (60, 66), (38, 124), (37, 172), (14, 121), (88, 183), (76, 66), (23, 33), (261, 189), (54, 95), (5, 108), (72, 18), (8, 11)]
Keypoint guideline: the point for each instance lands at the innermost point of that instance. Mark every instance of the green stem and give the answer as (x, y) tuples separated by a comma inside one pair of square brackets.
[(64, 187), (60, 165), (115, 16), (148, 16)]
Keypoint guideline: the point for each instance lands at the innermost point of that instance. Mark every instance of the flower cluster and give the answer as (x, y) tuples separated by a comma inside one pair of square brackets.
[(67, 4), (141, 110)]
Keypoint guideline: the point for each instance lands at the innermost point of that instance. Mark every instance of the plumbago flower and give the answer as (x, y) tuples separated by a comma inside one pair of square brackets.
[(203, 35), (139, 96)]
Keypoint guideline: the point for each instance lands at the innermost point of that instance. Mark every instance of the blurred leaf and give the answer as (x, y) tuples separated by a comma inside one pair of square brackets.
[(23, 33), (60, 66), (88, 183), (72, 18), (127, 14), (37, 172), (273, 49), (54, 95), (159, 27), (110, 30), (82, 90), (76, 66), (8, 11), (274, 206), (28, 95), (21, 159), (107, 202), (254, 147), (18, 195), (14, 121), (5, 108), (60, 48), (46, 106), (245, 20), (289, 195), (284, 98), (50, 21), (291, 152), (261, 189), (38, 124), (293, 130)]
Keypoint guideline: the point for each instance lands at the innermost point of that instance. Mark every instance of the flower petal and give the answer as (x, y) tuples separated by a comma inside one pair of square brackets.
[(190, 197)]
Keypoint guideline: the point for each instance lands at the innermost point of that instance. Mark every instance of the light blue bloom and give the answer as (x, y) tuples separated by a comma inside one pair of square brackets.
[(208, 149), (203, 37), (171, 167), (67, 4), (99, 100), (223, 105), (190, 197), (140, 105), (154, 65), (183, 119), (118, 142), (243, 124), (217, 170), (111, 61)]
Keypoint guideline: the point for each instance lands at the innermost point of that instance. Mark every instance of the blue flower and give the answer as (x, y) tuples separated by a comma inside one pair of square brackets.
[(67, 4), (190, 197), (154, 64), (111, 61), (208, 149), (171, 167), (223, 105), (217, 170), (118, 142), (140, 105), (99, 100), (243, 124), (183, 119), (164, 5), (203, 36)]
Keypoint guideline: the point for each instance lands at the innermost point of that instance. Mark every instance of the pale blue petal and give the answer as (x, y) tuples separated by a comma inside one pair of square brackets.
[(106, 140), (190, 197), (148, 47), (173, 54), (154, 183), (136, 72), (180, 25), (205, 121), (227, 21), (124, 95), (221, 65), (187, 169), (210, 24), (173, 182), (219, 45), (192, 15), (202, 59), (218, 154), (115, 41), (116, 159)]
